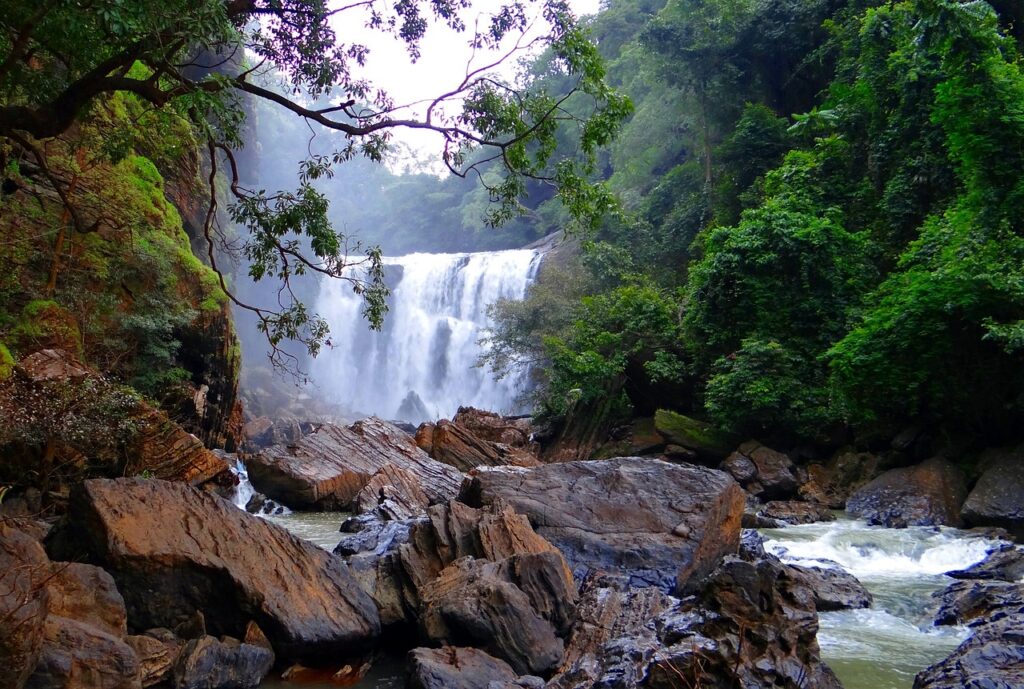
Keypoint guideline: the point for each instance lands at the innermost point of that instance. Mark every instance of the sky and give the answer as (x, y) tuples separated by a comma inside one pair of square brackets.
[(441, 67)]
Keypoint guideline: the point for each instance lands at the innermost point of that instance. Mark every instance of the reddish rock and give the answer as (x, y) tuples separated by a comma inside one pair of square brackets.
[(394, 492), (88, 594), (328, 468), (174, 550), (457, 446), (494, 428), (929, 494), (77, 655), (456, 668), (24, 601)]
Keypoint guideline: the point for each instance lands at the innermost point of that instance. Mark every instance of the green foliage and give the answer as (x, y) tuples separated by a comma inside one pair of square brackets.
[(6, 363)]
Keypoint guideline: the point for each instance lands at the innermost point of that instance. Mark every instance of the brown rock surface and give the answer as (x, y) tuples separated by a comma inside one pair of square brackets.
[(998, 497), (928, 494), (660, 524), (88, 594), (208, 663), (456, 668), (76, 655), (327, 468), (511, 431), (24, 601), (457, 446), (393, 491), (174, 550), (156, 658)]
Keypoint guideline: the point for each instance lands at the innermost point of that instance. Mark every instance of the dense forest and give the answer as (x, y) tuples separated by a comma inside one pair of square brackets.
[(817, 230)]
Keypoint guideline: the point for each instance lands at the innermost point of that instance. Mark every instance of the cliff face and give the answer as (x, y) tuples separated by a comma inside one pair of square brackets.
[(108, 272)]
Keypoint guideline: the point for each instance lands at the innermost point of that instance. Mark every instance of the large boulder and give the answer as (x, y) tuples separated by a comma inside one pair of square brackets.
[(998, 497), (660, 524), (474, 603), (514, 431), (327, 468), (796, 512), (457, 446), (833, 588), (88, 594), (928, 494), (752, 625), (395, 560), (174, 550), (762, 471), (697, 436), (77, 655), (992, 657), (24, 602), (966, 601), (394, 493), (208, 663)]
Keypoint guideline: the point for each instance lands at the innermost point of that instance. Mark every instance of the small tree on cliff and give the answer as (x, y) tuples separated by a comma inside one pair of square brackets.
[(195, 61)]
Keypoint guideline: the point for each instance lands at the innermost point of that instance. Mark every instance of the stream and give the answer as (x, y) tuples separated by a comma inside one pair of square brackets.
[(882, 647)]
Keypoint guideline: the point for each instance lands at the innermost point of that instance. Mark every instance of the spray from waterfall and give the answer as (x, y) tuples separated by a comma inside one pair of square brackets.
[(422, 365)]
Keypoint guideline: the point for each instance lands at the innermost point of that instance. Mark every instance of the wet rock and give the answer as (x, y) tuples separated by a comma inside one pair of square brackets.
[(627, 638), (472, 603), (820, 488), (328, 468), (457, 446), (753, 625), (699, 436), (847, 471), (207, 663), (966, 601), (762, 471), (174, 550), (456, 668), (998, 497), (794, 512), (76, 654), (24, 601), (658, 523), (616, 635), (929, 494), (394, 492), (833, 588), (1005, 563), (991, 658), (751, 545)]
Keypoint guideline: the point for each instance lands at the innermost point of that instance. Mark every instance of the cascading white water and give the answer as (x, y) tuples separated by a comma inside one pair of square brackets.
[(886, 645), (422, 365)]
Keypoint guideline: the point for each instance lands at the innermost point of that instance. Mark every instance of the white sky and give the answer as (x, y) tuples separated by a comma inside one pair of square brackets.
[(441, 67)]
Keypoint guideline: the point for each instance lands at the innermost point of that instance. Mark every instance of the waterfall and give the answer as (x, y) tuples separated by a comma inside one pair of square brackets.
[(422, 365)]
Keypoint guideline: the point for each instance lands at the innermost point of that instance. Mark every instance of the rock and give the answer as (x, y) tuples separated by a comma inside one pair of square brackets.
[(157, 447), (833, 588), (819, 488), (1005, 563), (472, 603), (753, 625), (998, 497), (793, 512), (751, 546), (929, 494), (412, 409), (457, 446), (328, 468), (394, 561), (174, 550), (965, 601), (207, 663), (991, 658), (24, 601), (456, 668), (616, 635), (698, 436), (156, 658), (764, 472), (660, 524), (628, 638), (76, 654), (394, 492), (846, 472), (514, 431), (263, 432), (640, 437), (87, 594)]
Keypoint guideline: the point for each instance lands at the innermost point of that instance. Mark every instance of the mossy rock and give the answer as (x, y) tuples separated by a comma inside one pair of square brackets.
[(45, 324), (693, 434), (6, 362)]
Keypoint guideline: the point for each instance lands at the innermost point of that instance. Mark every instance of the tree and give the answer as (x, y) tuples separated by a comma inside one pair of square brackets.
[(197, 61)]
